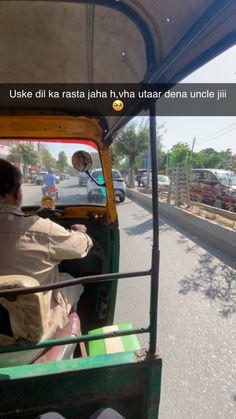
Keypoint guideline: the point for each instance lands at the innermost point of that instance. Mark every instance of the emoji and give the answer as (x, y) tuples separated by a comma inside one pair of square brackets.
[(118, 105)]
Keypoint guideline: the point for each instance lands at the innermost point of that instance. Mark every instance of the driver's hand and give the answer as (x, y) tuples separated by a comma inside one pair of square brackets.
[(79, 227)]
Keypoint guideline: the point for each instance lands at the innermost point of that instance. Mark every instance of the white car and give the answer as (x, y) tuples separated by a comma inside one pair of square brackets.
[(163, 181), (83, 179), (95, 192), (38, 178)]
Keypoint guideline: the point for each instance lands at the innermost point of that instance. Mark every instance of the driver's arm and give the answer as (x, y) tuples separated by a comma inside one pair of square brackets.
[(65, 244)]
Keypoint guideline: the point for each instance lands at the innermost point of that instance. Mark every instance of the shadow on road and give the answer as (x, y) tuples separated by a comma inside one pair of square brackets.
[(215, 281), (144, 227), (234, 398), (73, 185), (140, 228)]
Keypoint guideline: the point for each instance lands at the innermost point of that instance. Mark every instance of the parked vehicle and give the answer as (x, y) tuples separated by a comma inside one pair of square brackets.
[(119, 185), (140, 174), (96, 191), (83, 179), (214, 187), (163, 181), (39, 178), (31, 177)]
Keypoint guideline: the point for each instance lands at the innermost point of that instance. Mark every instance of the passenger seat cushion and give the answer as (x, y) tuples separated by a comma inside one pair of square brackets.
[(115, 344), (28, 314)]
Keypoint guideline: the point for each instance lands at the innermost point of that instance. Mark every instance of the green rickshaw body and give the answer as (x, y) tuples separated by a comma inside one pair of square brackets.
[(101, 376)]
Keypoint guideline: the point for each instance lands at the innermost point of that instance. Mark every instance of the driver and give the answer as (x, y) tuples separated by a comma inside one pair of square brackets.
[(30, 245)]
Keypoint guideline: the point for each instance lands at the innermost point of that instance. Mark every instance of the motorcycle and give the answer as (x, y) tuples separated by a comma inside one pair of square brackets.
[(50, 191)]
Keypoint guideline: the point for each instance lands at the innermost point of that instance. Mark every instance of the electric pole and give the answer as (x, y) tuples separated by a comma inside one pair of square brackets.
[(191, 154)]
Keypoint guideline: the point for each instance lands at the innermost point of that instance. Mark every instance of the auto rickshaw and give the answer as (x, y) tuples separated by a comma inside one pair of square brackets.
[(93, 363)]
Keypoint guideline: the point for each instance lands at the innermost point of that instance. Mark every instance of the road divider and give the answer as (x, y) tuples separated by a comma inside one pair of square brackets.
[(220, 237)]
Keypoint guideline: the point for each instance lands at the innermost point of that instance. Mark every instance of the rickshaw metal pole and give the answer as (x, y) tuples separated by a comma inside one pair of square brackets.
[(155, 247)]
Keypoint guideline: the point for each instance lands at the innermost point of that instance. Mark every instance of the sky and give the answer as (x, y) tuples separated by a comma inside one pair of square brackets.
[(216, 132), (55, 149)]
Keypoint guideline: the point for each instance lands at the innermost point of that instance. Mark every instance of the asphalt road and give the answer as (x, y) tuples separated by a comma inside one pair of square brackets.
[(69, 192), (196, 320)]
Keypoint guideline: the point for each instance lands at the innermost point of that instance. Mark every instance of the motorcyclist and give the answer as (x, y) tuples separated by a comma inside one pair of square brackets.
[(49, 183)]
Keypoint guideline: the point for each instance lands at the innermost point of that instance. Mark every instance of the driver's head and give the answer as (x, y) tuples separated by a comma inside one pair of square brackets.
[(50, 171), (10, 183)]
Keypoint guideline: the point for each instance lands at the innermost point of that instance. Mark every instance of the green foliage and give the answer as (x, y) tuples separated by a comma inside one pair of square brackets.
[(231, 163), (24, 154), (130, 144), (211, 158), (96, 162), (131, 148), (179, 153), (200, 159), (62, 163), (72, 171), (46, 159)]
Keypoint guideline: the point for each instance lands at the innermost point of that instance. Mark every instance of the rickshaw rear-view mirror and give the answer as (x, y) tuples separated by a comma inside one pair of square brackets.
[(81, 161)]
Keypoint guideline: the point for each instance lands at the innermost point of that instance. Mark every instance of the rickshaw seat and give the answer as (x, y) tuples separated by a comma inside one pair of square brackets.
[(24, 317), (114, 344), (27, 314)]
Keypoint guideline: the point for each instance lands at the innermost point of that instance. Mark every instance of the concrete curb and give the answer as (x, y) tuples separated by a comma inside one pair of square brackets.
[(218, 236)]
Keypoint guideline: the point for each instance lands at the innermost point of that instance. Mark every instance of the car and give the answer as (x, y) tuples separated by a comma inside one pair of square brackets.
[(83, 179), (64, 176), (214, 187), (140, 174), (119, 185), (38, 179), (98, 192), (163, 181), (31, 177)]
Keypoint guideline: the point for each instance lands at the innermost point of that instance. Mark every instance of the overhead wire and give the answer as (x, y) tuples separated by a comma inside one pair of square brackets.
[(216, 134)]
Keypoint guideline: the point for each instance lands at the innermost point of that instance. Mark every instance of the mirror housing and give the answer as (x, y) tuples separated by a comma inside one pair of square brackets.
[(81, 161)]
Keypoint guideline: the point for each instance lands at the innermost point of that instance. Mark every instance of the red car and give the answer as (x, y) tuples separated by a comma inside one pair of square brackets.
[(214, 187)]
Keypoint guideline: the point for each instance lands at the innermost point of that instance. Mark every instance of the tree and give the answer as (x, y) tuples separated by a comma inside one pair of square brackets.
[(200, 159), (96, 162), (130, 144), (131, 148), (209, 151), (46, 159), (62, 163), (179, 153), (231, 163), (24, 154)]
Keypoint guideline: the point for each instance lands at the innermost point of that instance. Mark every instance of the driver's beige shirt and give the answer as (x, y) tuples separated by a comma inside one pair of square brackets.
[(35, 246)]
